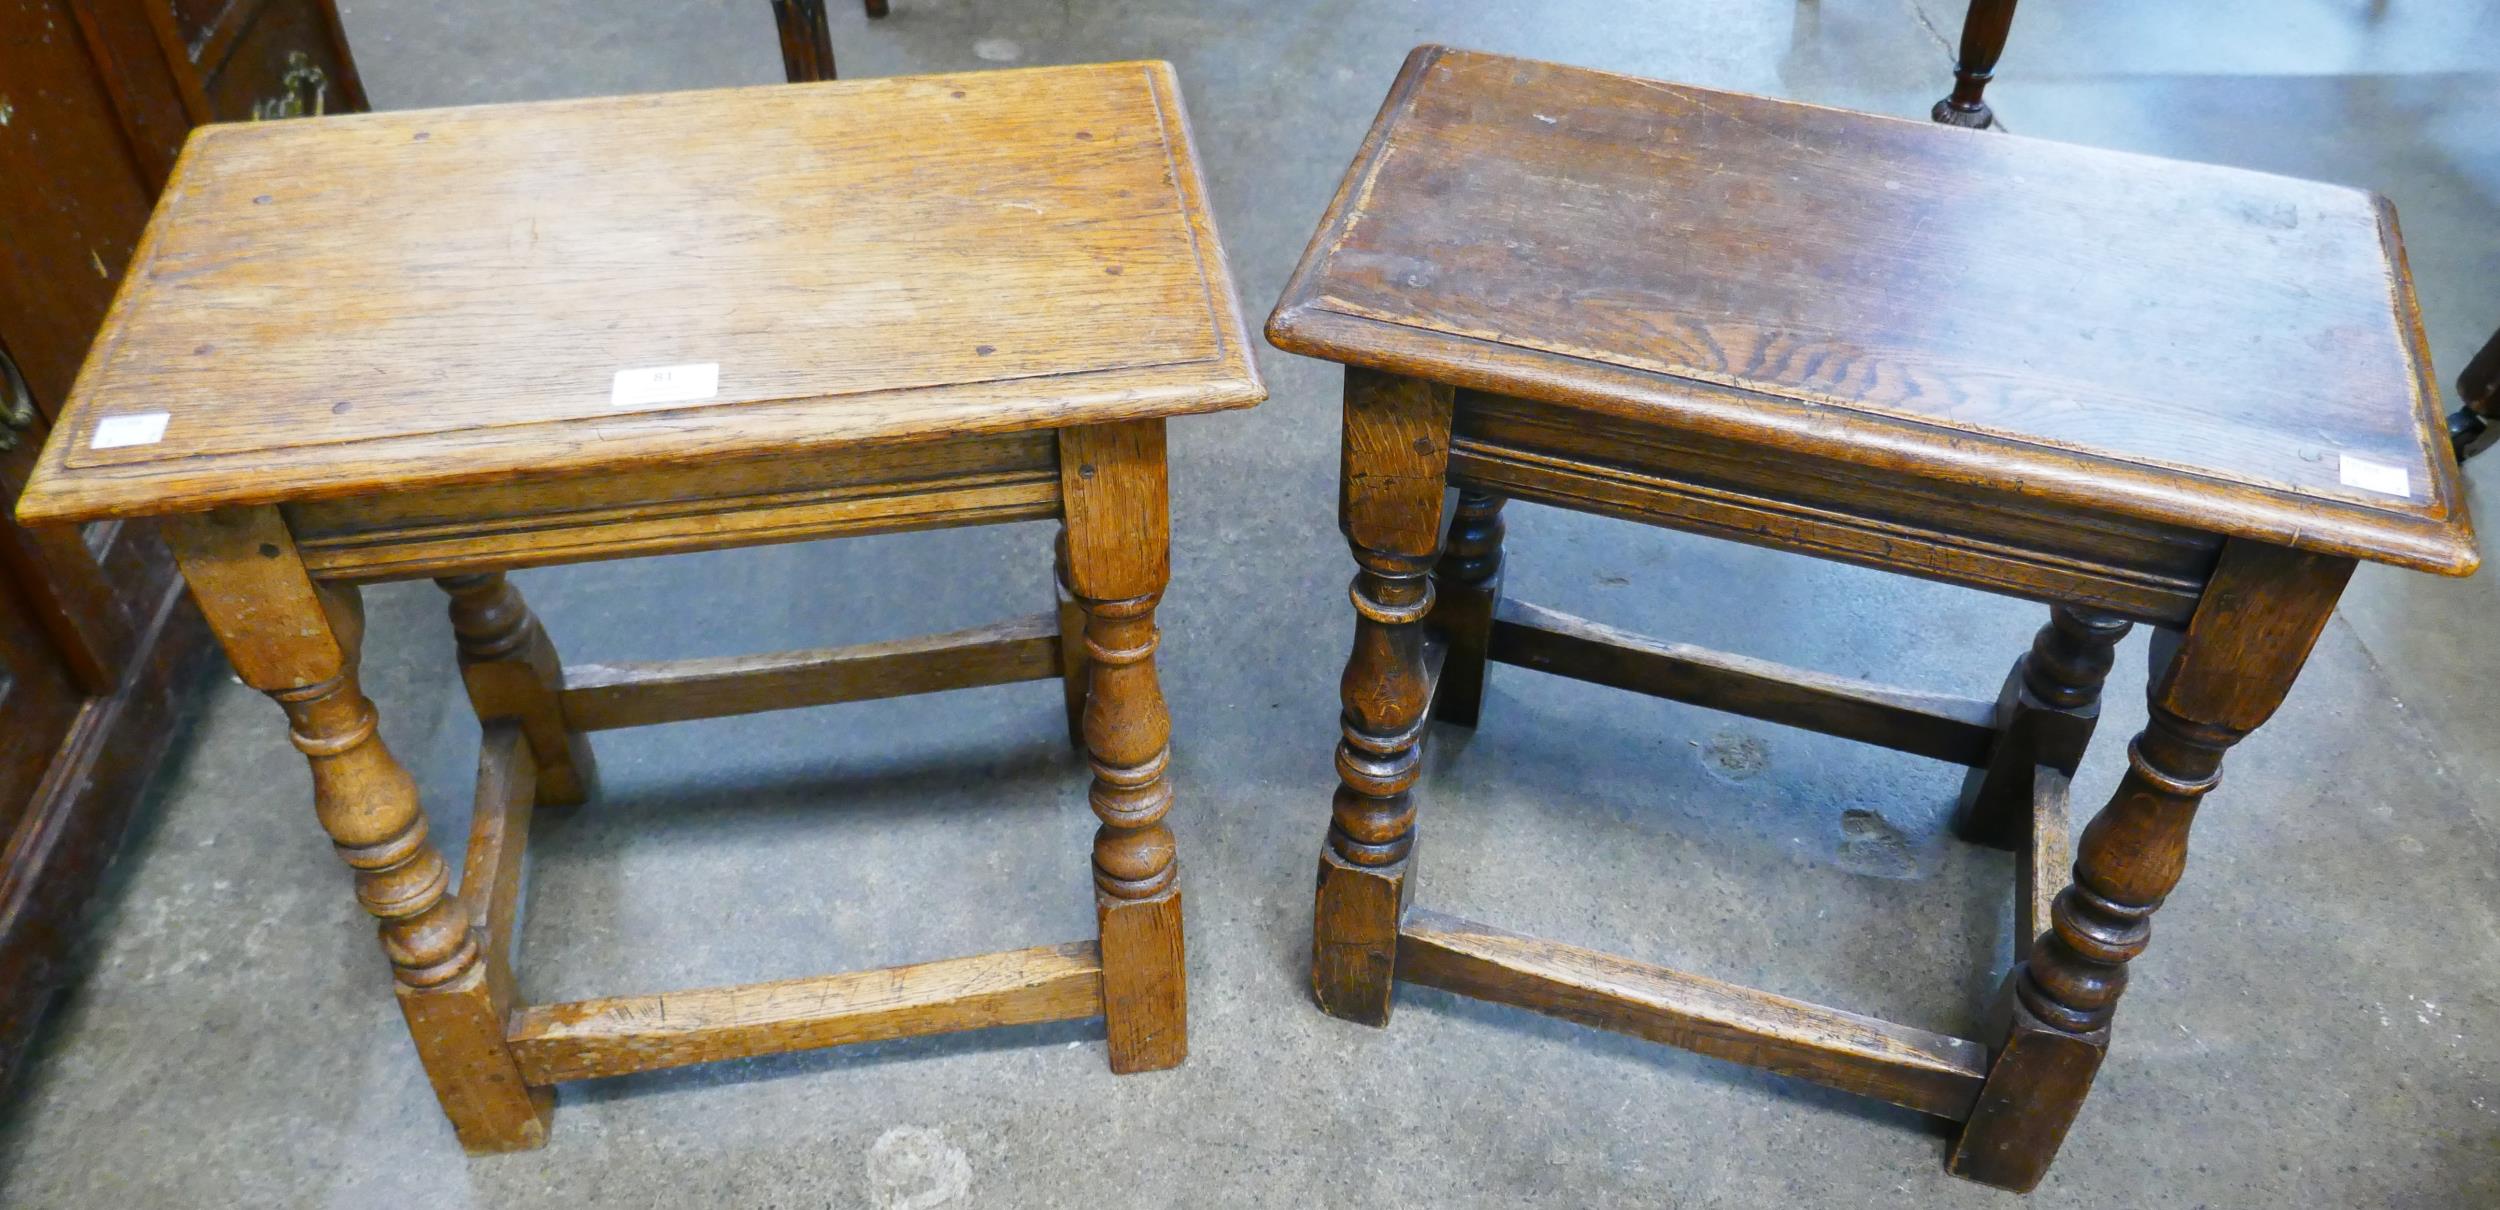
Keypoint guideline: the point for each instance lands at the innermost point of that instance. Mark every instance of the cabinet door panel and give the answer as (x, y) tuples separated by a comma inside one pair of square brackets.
[(196, 21), (38, 700), (73, 201), (83, 586)]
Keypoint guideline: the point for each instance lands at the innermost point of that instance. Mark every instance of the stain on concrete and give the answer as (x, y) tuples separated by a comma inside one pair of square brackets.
[(1735, 756), (915, 1168), (1871, 846)]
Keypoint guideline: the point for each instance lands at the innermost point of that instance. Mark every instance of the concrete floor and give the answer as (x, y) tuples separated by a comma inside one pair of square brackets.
[(2314, 1027)]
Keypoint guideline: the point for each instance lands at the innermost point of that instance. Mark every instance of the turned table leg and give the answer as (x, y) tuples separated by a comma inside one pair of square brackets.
[(2045, 716), (298, 644), (1118, 559), (1984, 29), (512, 671), (1466, 588), (2260, 615), (1395, 462)]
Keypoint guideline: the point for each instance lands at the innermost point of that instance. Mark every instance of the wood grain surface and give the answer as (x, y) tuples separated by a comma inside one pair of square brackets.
[(620, 1034), (598, 697), (326, 308), (2170, 341), (1929, 1072), (1940, 726), (499, 830)]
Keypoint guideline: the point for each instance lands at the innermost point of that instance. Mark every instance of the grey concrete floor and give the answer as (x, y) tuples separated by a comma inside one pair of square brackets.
[(2314, 1026)]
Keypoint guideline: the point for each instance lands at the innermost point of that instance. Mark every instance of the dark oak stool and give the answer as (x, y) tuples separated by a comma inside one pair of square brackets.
[(454, 342), (2137, 390)]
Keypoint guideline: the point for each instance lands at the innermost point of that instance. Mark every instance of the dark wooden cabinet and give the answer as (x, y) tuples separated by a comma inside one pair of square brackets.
[(95, 634)]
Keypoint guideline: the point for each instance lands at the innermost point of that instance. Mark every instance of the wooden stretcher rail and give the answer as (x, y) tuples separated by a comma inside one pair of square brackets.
[(499, 828), (624, 1034), (1929, 1072), (599, 697), (2047, 864), (1942, 726)]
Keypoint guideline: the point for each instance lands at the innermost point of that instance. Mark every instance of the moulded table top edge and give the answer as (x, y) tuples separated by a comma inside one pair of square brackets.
[(152, 490), (2059, 476), (1308, 321), (1226, 379)]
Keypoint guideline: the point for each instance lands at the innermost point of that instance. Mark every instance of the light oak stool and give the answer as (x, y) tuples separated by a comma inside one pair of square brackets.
[(2136, 390), (451, 343)]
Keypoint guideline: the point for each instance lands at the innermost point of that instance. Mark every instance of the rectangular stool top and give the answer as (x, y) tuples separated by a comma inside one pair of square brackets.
[(348, 305), (2220, 349)]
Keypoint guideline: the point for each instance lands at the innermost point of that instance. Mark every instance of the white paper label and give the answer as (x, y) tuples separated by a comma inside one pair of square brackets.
[(142, 428), (665, 384), (2373, 476)]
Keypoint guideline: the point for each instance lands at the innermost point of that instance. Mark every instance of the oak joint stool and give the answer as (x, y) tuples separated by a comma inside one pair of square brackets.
[(452, 343), (2135, 390)]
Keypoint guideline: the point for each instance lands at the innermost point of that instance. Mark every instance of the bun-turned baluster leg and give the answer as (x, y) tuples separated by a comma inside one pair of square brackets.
[(2045, 716), (2260, 615), (298, 644), (1118, 559), (512, 671), (1396, 461)]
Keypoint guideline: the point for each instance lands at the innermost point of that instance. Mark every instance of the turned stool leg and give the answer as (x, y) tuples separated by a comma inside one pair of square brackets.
[(1118, 548), (1396, 459), (2045, 716), (512, 671), (1073, 667), (298, 644), (1467, 587), (2260, 615), (1984, 29)]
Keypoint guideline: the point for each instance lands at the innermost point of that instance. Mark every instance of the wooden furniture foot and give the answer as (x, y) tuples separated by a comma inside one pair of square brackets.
[(2044, 716), (1354, 931), (1984, 29)]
